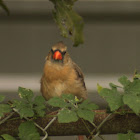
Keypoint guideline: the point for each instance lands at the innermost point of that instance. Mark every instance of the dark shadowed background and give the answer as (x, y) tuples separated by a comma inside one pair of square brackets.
[(111, 48)]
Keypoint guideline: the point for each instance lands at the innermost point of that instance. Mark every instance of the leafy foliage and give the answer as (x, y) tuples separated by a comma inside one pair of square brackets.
[(2, 97), (66, 116), (2, 4), (8, 137), (130, 95), (27, 107), (69, 22), (72, 108), (28, 131), (4, 108), (113, 97), (129, 136)]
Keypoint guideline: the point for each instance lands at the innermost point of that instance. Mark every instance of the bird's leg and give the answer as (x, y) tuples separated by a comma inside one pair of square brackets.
[(81, 137)]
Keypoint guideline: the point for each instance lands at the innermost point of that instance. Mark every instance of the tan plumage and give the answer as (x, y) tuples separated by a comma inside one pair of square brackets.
[(62, 76)]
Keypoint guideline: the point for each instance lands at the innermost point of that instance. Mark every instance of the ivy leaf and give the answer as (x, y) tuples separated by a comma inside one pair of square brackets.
[(99, 88), (134, 87), (137, 75), (4, 108), (133, 101), (28, 131), (124, 81), (25, 93), (67, 116), (68, 97), (2, 4), (86, 114), (113, 86), (25, 109), (69, 22), (87, 105), (57, 102), (8, 137), (113, 97), (40, 112), (2, 97), (39, 101), (26, 112), (129, 136)]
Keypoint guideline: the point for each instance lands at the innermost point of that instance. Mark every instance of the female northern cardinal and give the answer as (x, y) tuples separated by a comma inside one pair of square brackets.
[(62, 76)]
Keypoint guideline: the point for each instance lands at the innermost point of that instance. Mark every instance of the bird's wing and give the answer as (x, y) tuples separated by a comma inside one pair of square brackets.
[(79, 74)]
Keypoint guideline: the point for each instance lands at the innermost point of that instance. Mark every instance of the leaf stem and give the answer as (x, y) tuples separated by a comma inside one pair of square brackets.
[(100, 125), (50, 123), (6, 118)]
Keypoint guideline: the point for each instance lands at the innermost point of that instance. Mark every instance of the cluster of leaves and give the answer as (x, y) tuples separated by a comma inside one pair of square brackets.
[(2, 4), (72, 108), (31, 134), (69, 22), (129, 136), (128, 95), (26, 106), (4, 108)]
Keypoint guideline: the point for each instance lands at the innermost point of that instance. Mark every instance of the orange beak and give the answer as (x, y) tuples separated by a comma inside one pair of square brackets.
[(57, 56)]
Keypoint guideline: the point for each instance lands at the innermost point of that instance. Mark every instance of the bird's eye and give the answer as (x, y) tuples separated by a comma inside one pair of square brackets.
[(52, 51), (64, 52)]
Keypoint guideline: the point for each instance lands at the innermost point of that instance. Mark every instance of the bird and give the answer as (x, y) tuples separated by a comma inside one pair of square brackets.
[(61, 75)]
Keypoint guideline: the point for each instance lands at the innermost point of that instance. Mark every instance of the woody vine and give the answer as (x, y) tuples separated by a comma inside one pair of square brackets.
[(29, 112)]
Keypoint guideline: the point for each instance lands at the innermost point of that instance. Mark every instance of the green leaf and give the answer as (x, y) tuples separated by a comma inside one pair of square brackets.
[(124, 81), (25, 109), (69, 22), (28, 131), (2, 97), (133, 101), (25, 93), (87, 105), (68, 97), (57, 102), (39, 100), (40, 107), (67, 116), (99, 88), (8, 137), (137, 75), (134, 87), (86, 114), (113, 98), (39, 111), (129, 136), (113, 86), (4, 108), (26, 112), (2, 4)]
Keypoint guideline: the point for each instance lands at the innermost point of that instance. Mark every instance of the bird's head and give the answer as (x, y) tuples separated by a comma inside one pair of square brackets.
[(58, 53)]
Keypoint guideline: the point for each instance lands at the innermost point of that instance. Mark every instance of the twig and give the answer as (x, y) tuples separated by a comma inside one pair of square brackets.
[(100, 125), (46, 134), (85, 125), (50, 123), (6, 118)]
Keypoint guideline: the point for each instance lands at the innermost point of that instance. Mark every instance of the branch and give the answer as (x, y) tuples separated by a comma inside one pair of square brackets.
[(116, 123)]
